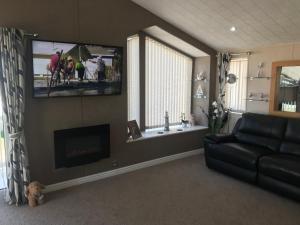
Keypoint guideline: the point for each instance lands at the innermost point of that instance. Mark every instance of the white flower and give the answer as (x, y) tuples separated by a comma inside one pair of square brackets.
[(214, 104), (216, 111)]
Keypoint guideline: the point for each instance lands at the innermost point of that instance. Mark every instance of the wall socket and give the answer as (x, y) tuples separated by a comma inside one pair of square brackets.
[(115, 163)]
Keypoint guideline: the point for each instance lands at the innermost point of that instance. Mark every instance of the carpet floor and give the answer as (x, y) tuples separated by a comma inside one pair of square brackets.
[(182, 192)]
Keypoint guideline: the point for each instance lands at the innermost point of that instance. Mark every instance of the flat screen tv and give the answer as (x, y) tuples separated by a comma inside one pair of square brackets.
[(74, 69)]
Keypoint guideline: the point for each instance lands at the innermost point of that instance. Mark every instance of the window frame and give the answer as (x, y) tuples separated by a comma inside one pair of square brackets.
[(142, 67), (238, 80), (130, 81)]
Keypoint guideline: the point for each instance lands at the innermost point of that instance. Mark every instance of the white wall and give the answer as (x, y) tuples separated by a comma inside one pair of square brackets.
[(267, 55)]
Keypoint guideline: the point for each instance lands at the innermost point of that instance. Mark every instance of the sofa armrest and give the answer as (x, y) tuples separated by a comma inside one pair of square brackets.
[(219, 138)]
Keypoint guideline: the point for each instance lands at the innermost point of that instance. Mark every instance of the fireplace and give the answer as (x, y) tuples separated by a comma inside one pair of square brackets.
[(78, 146)]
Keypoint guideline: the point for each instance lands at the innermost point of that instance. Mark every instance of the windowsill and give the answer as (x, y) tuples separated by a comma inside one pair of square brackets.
[(155, 133), (236, 112)]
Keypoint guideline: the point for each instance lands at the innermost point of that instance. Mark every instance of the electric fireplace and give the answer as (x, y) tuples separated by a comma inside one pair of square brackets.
[(78, 146)]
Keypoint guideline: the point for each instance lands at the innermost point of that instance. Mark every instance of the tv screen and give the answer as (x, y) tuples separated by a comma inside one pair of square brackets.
[(73, 69)]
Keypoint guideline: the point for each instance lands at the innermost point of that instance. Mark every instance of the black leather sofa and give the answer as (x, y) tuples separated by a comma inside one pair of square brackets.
[(261, 149)]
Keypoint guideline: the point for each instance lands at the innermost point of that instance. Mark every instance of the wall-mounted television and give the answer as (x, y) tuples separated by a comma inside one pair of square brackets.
[(74, 69)]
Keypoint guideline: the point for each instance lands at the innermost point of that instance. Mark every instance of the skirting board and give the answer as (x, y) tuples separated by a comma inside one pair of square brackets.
[(126, 169)]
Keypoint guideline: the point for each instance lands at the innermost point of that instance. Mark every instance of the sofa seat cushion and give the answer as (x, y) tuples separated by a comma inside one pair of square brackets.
[(242, 155), (283, 167)]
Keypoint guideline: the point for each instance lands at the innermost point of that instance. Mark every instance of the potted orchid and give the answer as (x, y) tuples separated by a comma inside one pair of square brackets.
[(217, 117)]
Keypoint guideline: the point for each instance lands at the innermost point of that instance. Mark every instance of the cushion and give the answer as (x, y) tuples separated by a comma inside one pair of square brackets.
[(291, 141), (261, 141), (242, 155), (282, 167), (262, 130), (263, 125)]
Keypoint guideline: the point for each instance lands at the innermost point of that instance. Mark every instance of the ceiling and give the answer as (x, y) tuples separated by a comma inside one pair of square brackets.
[(258, 22), (174, 41)]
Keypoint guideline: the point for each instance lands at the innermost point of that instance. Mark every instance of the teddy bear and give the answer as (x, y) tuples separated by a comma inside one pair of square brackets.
[(34, 193)]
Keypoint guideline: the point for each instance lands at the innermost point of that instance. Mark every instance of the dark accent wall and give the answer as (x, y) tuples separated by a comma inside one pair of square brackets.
[(107, 22)]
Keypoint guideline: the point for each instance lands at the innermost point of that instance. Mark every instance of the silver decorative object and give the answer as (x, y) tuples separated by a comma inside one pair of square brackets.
[(231, 78), (260, 69), (199, 92), (201, 76), (167, 125)]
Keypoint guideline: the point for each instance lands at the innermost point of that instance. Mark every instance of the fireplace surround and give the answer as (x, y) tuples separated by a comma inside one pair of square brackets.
[(83, 145)]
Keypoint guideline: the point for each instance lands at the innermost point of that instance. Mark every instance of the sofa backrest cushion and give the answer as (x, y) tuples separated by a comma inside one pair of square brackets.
[(237, 126), (262, 130), (291, 140)]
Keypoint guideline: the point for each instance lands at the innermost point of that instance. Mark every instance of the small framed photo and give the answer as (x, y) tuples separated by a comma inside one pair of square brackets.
[(134, 130)]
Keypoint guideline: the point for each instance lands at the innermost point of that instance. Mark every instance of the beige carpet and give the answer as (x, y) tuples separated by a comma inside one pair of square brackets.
[(176, 193)]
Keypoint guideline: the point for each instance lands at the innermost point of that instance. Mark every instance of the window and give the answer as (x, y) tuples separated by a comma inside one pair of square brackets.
[(236, 93), (133, 79), (168, 84)]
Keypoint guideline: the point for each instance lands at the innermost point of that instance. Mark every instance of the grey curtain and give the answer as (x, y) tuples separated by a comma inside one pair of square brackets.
[(223, 70), (12, 85)]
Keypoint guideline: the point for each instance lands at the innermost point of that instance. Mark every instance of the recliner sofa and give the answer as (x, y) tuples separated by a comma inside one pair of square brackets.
[(262, 149)]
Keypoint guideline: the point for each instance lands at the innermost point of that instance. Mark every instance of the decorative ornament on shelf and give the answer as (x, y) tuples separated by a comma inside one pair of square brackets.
[(184, 121), (262, 97), (231, 78), (200, 92), (289, 106), (201, 76), (167, 125), (260, 69)]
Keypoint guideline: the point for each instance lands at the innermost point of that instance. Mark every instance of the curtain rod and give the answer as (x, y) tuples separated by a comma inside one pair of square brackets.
[(34, 35), (238, 54), (241, 53)]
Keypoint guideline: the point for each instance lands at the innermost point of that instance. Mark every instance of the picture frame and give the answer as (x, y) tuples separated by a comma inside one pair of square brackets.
[(134, 130)]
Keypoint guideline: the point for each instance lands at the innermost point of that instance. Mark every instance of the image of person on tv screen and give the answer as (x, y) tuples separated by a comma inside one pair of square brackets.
[(69, 69), (80, 70), (55, 66), (54, 60), (101, 69)]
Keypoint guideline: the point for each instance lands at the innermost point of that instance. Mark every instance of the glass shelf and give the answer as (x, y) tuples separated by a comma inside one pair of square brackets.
[(257, 100), (290, 86), (253, 78), (200, 96), (203, 80)]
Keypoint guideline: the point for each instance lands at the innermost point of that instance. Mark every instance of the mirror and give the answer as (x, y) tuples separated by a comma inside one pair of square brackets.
[(285, 88), (289, 92)]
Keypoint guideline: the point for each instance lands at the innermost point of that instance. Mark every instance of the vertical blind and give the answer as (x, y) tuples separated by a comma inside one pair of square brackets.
[(168, 84), (236, 93), (133, 79)]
